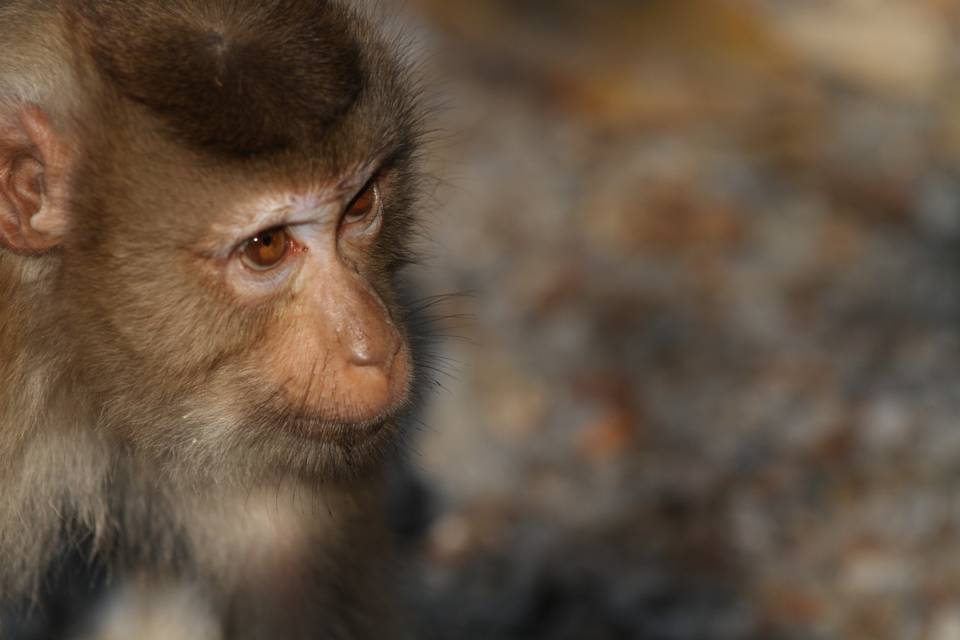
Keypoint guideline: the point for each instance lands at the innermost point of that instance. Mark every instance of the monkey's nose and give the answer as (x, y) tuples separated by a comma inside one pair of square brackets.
[(367, 337), (374, 347), (375, 374), (365, 349)]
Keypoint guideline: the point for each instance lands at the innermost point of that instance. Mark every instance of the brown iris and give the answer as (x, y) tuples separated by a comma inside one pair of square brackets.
[(266, 250), (363, 205)]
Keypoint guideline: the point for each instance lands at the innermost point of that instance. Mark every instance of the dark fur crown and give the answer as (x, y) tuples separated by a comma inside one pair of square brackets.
[(235, 77)]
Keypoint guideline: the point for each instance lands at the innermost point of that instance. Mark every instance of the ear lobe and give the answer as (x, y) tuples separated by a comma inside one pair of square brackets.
[(34, 181)]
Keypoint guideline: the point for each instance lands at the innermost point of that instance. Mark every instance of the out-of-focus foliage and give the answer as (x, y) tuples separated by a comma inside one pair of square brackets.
[(711, 387)]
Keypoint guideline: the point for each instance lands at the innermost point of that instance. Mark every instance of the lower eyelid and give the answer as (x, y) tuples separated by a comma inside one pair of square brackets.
[(267, 282)]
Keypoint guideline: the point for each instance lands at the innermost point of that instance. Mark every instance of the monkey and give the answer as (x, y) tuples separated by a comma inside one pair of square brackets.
[(206, 208)]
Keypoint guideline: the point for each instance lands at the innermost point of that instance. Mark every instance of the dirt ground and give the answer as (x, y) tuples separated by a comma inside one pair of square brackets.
[(705, 382)]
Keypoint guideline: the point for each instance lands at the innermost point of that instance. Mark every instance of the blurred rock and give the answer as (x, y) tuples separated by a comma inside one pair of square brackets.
[(946, 626), (888, 46), (711, 388)]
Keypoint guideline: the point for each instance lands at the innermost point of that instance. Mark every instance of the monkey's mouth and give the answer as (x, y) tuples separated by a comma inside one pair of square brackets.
[(312, 427), (342, 433)]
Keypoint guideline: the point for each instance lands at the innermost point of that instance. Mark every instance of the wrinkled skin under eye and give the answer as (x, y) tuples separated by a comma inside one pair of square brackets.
[(266, 250)]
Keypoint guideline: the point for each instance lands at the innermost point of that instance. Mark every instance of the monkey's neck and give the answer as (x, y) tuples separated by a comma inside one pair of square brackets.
[(32, 373), (243, 541), (20, 391), (11, 304)]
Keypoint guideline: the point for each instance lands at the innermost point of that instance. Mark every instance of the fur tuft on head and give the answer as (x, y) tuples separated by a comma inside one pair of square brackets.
[(238, 77)]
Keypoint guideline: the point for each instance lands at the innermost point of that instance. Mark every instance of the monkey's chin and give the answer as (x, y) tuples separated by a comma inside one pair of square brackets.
[(285, 444)]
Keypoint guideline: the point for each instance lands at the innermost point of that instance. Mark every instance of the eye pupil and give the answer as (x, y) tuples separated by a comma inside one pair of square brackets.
[(266, 250)]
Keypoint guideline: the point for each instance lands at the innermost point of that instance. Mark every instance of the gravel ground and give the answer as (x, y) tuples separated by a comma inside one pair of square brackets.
[(706, 379)]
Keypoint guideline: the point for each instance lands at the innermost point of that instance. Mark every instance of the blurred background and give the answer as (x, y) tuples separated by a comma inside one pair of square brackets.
[(706, 382)]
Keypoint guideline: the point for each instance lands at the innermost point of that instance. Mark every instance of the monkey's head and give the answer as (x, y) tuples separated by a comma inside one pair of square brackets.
[(221, 208)]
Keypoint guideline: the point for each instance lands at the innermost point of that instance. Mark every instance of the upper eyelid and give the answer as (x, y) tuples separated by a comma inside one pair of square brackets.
[(289, 225), (276, 220), (281, 217), (242, 244), (375, 170), (372, 181)]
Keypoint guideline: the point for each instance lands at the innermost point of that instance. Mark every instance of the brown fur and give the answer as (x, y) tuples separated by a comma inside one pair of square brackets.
[(191, 64), (132, 419)]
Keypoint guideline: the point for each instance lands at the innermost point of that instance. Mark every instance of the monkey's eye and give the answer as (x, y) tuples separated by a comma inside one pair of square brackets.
[(365, 206), (266, 250)]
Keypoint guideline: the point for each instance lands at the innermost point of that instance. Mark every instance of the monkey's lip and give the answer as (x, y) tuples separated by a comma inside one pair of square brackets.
[(343, 432), (345, 427)]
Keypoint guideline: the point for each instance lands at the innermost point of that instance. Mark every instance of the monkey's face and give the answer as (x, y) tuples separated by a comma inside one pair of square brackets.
[(226, 239), (258, 324), (257, 328), (303, 268), (330, 350)]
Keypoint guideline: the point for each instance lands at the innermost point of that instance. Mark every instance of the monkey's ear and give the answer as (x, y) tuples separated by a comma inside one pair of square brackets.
[(34, 177)]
